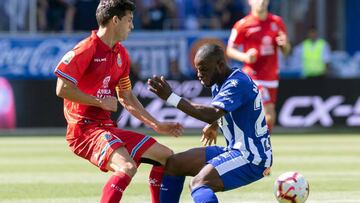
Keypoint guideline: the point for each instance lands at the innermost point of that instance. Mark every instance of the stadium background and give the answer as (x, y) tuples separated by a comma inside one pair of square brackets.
[(35, 34)]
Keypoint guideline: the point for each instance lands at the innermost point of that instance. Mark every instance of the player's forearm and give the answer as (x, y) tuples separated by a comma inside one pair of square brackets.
[(236, 54), (135, 108), (208, 114), (143, 115), (69, 91), (286, 49)]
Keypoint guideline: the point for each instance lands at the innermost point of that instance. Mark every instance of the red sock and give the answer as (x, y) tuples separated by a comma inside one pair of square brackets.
[(155, 179), (114, 188)]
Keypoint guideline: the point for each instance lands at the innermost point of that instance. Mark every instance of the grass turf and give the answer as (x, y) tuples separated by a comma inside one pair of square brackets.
[(42, 169)]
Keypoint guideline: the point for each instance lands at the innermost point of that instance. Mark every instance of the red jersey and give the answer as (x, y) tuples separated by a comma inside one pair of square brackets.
[(96, 69), (252, 32)]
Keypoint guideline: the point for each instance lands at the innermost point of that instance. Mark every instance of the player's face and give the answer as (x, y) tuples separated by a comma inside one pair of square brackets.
[(124, 26), (312, 34), (207, 71), (259, 5)]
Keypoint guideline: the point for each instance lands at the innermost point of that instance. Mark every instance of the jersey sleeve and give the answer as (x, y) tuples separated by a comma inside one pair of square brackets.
[(232, 95), (74, 63), (124, 82), (237, 34), (281, 24)]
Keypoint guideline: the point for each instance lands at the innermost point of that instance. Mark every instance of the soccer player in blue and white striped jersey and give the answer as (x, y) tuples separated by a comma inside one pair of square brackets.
[(237, 109)]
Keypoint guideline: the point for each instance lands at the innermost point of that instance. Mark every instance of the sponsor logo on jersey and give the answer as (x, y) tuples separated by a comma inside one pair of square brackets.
[(99, 60), (106, 82), (274, 27), (266, 47), (266, 40), (254, 29), (104, 91)]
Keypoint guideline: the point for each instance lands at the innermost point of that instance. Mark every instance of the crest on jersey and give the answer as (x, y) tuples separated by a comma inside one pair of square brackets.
[(119, 62), (267, 40), (66, 59), (107, 137), (274, 27)]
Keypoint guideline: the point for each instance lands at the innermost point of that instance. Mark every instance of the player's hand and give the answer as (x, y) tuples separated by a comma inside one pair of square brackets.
[(109, 103), (251, 56), (209, 135), (281, 39), (159, 86), (169, 128)]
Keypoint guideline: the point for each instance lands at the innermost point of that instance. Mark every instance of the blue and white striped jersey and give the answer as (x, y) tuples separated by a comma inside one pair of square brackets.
[(244, 125)]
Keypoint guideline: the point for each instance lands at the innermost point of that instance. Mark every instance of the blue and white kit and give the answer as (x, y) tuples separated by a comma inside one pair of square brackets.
[(248, 152)]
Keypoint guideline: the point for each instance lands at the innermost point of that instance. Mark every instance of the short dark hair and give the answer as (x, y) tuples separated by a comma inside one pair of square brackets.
[(213, 51), (110, 8)]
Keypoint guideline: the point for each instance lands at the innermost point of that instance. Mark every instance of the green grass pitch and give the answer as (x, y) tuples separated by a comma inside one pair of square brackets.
[(43, 170)]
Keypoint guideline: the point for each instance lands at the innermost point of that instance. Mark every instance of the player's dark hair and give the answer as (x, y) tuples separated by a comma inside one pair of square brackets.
[(213, 51), (110, 8)]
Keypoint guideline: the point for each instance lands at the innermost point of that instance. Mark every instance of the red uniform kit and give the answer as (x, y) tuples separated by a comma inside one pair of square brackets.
[(251, 32), (97, 70)]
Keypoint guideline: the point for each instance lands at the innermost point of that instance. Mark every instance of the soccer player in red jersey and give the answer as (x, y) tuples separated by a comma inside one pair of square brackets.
[(88, 77), (260, 34)]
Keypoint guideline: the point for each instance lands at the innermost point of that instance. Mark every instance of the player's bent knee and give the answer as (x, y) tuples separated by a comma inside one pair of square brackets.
[(129, 168), (170, 166), (167, 153), (159, 153), (197, 181)]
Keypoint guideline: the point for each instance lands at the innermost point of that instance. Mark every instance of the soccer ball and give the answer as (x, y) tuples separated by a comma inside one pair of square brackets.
[(291, 187)]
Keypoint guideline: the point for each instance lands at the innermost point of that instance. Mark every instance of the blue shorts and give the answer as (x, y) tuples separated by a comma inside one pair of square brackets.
[(234, 169)]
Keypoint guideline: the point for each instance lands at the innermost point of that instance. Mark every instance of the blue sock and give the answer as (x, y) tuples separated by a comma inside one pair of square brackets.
[(204, 194), (171, 188)]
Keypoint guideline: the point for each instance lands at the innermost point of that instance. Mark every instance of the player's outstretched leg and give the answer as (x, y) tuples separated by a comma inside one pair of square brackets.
[(205, 184), (171, 188), (204, 194), (114, 188), (124, 169), (155, 178), (177, 167), (156, 155)]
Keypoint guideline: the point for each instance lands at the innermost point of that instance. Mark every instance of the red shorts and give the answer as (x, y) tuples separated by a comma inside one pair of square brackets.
[(268, 95), (97, 142)]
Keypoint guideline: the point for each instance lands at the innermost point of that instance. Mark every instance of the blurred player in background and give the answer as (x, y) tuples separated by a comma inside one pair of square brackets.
[(237, 108), (88, 77), (260, 34), (315, 55)]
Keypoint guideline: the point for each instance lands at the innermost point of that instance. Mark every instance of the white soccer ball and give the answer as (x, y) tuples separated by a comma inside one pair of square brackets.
[(291, 187)]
